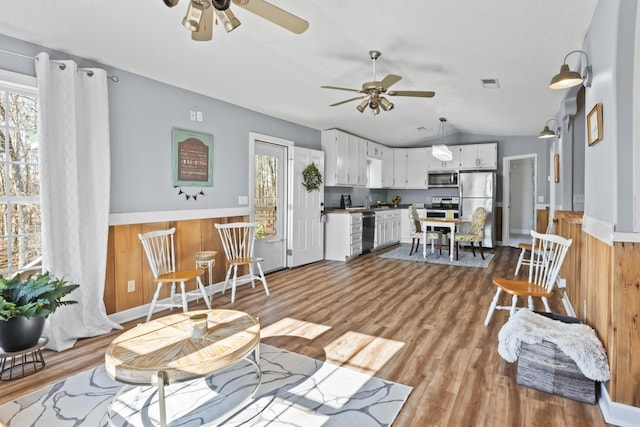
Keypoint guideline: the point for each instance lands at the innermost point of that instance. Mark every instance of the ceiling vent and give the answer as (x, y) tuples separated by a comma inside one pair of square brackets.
[(490, 83)]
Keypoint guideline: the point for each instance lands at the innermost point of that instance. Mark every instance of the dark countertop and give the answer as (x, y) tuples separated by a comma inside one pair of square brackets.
[(358, 209)]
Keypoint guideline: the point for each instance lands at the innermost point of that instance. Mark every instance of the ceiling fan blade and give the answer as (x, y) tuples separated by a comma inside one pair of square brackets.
[(418, 93), (341, 88), (348, 100), (391, 79), (274, 14)]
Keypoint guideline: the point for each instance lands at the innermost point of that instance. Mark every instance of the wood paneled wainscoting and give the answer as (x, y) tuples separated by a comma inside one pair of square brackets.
[(127, 260), (603, 285)]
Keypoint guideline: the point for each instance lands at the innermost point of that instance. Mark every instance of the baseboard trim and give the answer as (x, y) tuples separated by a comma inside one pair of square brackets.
[(142, 310), (617, 413)]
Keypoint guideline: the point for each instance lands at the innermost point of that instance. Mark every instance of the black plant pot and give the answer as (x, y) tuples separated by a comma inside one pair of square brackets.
[(20, 333)]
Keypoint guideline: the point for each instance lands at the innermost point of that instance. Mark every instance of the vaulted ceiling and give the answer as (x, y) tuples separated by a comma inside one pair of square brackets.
[(444, 46)]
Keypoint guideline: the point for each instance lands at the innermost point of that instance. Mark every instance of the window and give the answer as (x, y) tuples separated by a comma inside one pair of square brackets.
[(20, 224)]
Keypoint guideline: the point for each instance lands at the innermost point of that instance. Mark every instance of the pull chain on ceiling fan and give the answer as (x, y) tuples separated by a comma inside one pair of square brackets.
[(374, 89), (199, 16)]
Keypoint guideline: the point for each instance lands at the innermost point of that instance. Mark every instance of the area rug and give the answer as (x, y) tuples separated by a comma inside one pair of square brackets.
[(466, 258), (295, 391)]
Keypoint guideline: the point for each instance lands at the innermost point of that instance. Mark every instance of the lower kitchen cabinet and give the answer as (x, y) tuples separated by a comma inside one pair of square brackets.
[(342, 236), (387, 228)]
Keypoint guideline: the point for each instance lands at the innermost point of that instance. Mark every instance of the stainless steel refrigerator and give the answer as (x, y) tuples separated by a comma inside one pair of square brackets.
[(479, 189)]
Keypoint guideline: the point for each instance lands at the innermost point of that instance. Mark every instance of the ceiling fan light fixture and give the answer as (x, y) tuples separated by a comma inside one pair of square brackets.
[(386, 104), (228, 19), (192, 19), (363, 105)]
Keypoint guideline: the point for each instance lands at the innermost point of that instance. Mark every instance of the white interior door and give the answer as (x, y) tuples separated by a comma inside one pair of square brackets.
[(270, 203), (306, 234), (519, 192)]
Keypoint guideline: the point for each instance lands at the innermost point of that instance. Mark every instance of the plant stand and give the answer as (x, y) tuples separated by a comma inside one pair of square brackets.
[(22, 363)]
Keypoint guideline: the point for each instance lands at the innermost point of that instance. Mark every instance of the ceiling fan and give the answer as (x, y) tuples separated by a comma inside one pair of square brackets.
[(200, 14), (374, 90)]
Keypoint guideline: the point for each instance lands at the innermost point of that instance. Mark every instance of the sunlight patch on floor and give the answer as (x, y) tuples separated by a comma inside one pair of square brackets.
[(361, 352), (294, 327)]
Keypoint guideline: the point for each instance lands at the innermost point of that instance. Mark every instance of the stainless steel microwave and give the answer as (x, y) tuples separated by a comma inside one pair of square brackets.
[(443, 179)]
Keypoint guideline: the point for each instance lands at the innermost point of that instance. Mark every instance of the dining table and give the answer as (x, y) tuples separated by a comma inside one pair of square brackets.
[(431, 223)]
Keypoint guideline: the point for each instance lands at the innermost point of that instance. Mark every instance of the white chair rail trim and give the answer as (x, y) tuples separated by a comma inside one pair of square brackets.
[(126, 218), (604, 231)]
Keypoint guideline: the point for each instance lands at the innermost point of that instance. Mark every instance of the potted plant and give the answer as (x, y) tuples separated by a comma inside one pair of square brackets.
[(24, 305)]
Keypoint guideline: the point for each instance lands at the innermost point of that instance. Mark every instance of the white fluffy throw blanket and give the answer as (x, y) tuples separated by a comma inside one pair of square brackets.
[(576, 340)]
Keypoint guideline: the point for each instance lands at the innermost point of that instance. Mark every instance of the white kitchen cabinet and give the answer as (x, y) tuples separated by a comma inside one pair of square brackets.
[(387, 167), (345, 159), (374, 150), (479, 156), (417, 168), (410, 168), (435, 164), (399, 168), (342, 236), (387, 230)]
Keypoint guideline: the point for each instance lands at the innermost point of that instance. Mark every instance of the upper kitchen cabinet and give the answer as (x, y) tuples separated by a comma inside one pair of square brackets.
[(410, 168), (435, 164), (479, 156), (374, 150), (345, 159), (387, 167)]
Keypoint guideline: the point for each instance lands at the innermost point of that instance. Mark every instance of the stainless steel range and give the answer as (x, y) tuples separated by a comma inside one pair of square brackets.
[(442, 207)]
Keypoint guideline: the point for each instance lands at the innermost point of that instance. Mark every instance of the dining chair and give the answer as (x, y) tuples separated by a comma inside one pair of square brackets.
[(159, 248), (417, 234), (475, 232), (526, 250), (548, 254), (238, 240)]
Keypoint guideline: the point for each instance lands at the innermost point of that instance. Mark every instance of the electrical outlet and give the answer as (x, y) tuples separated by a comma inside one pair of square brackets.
[(578, 198), (199, 116), (131, 286), (243, 200), (540, 199), (192, 116)]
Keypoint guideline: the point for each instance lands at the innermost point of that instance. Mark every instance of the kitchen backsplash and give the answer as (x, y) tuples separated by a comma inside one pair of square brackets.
[(359, 195)]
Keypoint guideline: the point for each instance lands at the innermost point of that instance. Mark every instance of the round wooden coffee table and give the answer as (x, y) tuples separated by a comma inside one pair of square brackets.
[(163, 351)]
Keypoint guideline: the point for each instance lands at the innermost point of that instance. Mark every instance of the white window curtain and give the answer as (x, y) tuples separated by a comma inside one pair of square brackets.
[(74, 193)]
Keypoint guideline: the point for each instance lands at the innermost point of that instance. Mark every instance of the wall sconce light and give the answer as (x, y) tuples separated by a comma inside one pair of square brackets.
[(548, 133), (567, 78)]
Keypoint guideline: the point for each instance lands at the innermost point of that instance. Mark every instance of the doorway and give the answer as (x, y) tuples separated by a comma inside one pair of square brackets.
[(519, 192), (269, 200)]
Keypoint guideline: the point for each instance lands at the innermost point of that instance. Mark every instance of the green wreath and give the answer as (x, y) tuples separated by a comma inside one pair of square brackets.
[(311, 178)]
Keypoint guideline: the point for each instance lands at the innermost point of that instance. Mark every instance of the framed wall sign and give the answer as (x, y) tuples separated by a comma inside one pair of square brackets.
[(594, 125), (192, 159)]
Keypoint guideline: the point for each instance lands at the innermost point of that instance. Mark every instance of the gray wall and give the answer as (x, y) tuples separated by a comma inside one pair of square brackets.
[(609, 164), (142, 115)]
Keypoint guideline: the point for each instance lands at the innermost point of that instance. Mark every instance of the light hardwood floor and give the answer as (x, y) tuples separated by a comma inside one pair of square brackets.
[(412, 323)]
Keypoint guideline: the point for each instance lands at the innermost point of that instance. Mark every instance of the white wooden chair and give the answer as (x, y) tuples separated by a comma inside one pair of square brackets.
[(526, 249), (548, 255), (238, 240), (417, 234), (159, 248)]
